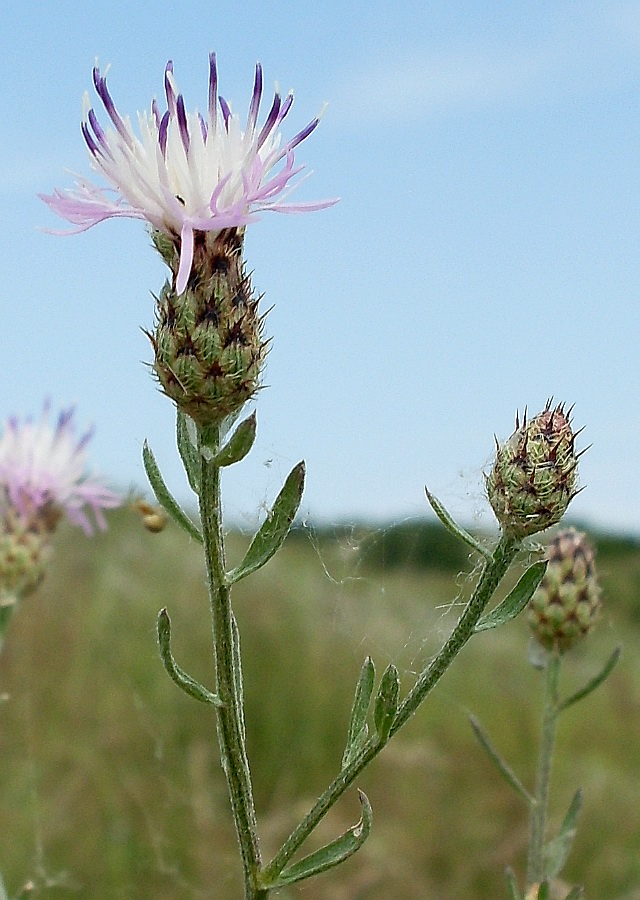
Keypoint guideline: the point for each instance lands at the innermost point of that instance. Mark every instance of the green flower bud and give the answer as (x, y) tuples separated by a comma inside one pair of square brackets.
[(567, 602), (534, 476), (208, 341), (25, 551)]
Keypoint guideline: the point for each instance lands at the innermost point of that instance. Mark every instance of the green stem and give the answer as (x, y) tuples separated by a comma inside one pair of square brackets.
[(492, 574), (230, 713), (535, 860), (8, 603)]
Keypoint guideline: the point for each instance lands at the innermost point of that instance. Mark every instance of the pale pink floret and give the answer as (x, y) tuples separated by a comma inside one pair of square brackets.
[(44, 466), (186, 172)]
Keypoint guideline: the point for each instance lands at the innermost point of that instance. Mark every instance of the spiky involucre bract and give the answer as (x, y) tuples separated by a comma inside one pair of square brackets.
[(534, 477), (567, 603), (208, 341)]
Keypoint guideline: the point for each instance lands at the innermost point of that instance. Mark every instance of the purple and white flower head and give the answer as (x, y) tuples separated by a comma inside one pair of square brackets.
[(186, 172), (43, 473)]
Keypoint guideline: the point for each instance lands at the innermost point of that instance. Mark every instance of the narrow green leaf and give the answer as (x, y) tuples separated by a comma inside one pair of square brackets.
[(164, 497), (501, 765), (238, 445), (453, 528), (516, 600), (187, 439), (512, 886), (556, 852), (594, 682), (184, 681), (332, 854), (544, 891), (358, 731), (575, 893), (275, 527), (237, 674), (386, 704)]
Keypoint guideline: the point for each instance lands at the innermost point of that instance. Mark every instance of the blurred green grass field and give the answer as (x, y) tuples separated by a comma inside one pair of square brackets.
[(110, 783)]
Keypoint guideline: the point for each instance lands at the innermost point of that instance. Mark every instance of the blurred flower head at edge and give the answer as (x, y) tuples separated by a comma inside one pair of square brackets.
[(43, 474)]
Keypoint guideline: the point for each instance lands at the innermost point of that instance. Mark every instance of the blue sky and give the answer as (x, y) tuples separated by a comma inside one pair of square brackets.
[(484, 255)]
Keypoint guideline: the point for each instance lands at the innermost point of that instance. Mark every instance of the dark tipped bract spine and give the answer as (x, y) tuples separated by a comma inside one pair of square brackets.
[(208, 340), (534, 477)]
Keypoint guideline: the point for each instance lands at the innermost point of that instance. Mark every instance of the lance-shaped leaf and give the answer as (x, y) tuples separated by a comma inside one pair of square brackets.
[(237, 675), (164, 496), (184, 681), (358, 730), (275, 527), (501, 764), (595, 682), (453, 528), (516, 600), (556, 852), (187, 439), (543, 892), (332, 854), (512, 885), (238, 445), (386, 704)]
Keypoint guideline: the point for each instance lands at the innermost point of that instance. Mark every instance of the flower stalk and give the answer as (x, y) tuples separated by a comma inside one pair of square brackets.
[(540, 801), (562, 610), (230, 714)]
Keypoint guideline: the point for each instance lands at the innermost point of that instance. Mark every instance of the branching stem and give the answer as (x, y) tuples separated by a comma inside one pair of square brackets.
[(492, 574)]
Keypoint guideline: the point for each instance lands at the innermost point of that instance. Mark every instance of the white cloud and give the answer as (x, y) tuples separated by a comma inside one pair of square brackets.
[(581, 51)]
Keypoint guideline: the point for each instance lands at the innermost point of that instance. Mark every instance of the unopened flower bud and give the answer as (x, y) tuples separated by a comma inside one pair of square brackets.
[(208, 339), (25, 551), (567, 602), (534, 476)]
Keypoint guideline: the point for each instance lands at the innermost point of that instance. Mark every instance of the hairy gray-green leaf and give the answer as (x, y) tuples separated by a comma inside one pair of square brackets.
[(238, 445), (164, 496), (556, 852), (595, 682), (184, 681), (358, 731), (187, 438), (237, 674), (516, 600), (332, 854), (453, 528), (501, 764), (386, 704), (275, 527)]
